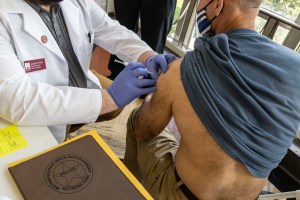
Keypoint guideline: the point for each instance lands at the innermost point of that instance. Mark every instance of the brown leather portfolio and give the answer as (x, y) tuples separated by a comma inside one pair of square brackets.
[(83, 168)]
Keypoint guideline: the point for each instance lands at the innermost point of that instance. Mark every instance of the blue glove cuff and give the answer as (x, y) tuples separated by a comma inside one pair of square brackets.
[(111, 93)]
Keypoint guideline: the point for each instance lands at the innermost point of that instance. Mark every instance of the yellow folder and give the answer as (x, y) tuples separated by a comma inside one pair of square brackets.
[(81, 168)]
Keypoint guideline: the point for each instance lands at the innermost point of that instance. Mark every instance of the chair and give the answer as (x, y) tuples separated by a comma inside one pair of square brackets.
[(284, 195)]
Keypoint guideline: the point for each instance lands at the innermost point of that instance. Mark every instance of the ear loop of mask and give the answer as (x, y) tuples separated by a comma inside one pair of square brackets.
[(204, 24)]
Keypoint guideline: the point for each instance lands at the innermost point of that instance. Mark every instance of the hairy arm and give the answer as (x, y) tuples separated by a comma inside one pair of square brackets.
[(154, 115), (108, 104)]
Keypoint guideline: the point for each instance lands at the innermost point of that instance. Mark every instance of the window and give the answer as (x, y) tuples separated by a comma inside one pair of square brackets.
[(176, 16), (278, 20), (289, 9), (260, 23)]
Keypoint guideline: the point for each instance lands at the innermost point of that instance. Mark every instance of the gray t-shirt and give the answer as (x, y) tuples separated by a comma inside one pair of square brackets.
[(245, 89)]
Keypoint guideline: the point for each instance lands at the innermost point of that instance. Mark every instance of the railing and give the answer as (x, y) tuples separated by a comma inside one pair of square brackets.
[(275, 21), (185, 33)]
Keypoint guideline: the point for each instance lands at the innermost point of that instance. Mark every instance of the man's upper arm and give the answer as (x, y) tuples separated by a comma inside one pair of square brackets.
[(154, 115)]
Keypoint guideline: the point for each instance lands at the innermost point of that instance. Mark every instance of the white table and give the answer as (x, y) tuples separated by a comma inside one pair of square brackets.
[(38, 139)]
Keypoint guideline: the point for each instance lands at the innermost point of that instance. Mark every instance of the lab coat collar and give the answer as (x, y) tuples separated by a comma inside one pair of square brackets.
[(12, 7), (34, 25)]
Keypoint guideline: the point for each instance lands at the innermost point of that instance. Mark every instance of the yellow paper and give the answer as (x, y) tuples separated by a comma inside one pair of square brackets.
[(11, 140)]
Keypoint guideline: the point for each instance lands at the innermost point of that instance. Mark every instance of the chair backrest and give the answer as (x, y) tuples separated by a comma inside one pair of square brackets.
[(283, 195)]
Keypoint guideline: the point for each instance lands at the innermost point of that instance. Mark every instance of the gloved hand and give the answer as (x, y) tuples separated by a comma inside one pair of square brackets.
[(157, 63), (131, 83)]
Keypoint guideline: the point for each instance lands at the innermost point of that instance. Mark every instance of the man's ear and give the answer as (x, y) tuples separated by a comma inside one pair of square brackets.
[(219, 7)]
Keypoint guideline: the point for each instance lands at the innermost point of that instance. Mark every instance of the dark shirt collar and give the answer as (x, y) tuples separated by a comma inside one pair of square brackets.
[(39, 9)]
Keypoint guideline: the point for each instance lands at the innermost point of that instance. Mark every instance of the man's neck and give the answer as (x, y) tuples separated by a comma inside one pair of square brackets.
[(44, 5), (237, 20)]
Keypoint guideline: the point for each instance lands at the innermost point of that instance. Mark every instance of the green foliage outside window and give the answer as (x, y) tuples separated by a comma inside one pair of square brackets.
[(286, 8)]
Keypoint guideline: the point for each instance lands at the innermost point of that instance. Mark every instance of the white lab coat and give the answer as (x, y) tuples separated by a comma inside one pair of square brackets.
[(42, 97)]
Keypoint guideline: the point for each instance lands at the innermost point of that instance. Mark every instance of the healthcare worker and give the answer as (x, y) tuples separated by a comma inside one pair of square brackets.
[(46, 46)]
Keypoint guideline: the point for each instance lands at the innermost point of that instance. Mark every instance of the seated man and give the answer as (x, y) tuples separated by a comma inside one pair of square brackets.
[(235, 100)]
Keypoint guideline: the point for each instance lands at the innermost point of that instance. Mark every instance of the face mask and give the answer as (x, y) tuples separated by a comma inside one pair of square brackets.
[(204, 25)]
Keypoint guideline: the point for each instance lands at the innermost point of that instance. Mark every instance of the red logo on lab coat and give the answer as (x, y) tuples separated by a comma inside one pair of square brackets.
[(44, 39)]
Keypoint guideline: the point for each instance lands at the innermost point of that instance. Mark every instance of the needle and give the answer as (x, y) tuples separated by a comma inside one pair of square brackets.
[(125, 64), (121, 62)]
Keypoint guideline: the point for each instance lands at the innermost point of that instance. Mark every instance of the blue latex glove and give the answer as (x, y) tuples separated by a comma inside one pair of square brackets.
[(131, 83), (156, 64)]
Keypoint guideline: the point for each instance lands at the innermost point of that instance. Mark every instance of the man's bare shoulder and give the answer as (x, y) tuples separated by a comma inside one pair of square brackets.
[(168, 82), (174, 67)]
